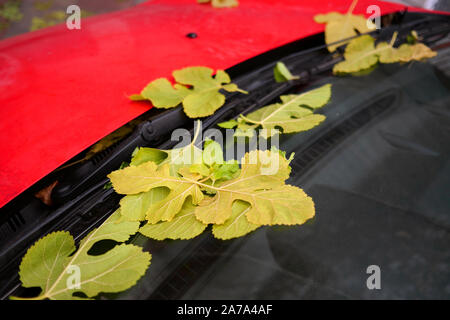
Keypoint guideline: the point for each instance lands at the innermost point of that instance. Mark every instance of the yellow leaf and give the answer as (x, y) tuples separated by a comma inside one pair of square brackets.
[(261, 183), (291, 114), (237, 225), (389, 54), (264, 192), (163, 95), (342, 26), (50, 262), (183, 226), (165, 210), (419, 52), (281, 73), (147, 176), (360, 54), (134, 207), (196, 89), (286, 205)]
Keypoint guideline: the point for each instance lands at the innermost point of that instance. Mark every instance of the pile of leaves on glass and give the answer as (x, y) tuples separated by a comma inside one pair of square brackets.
[(176, 194)]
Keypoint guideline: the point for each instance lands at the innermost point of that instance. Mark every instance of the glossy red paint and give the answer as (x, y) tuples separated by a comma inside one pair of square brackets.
[(62, 90)]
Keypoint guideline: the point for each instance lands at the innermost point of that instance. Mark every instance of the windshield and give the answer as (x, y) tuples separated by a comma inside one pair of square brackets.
[(378, 170)]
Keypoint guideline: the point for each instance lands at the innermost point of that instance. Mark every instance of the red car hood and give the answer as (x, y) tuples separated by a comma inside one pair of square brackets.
[(62, 90)]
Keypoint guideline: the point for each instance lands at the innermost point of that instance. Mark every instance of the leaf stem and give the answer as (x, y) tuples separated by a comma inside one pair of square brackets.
[(352, 7), (394, 37), (197, 132), (42, 297), (249, 120)]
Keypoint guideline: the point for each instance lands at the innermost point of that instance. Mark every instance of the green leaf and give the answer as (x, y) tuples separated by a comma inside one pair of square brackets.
[(282, 74), (214, 167), (49, 262), (196, 89), (181, 157), (246, 133), (291, 114), (183, 226), (237, 225)]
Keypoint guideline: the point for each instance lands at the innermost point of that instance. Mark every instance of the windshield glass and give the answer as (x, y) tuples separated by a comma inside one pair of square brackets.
[(378, 170)]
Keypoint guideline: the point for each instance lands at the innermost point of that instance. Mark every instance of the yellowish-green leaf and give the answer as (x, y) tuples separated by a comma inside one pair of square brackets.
[(204, 98), (282, 74), (150, 204), (237, 225), (142, 155), (388, 54), (182, 157), (342, 26), (214, 167), (196, 89), (51, 261), (413, 37), (135, 207), (200, 168), (163, 95), (404, 53), (147, 176), (212, 153), (167, 209), (286, 205), (291, 114), (263, 188), (360, 54), (232, 87), (137, 97), (183, 226), (419, 52), (106, 142)]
